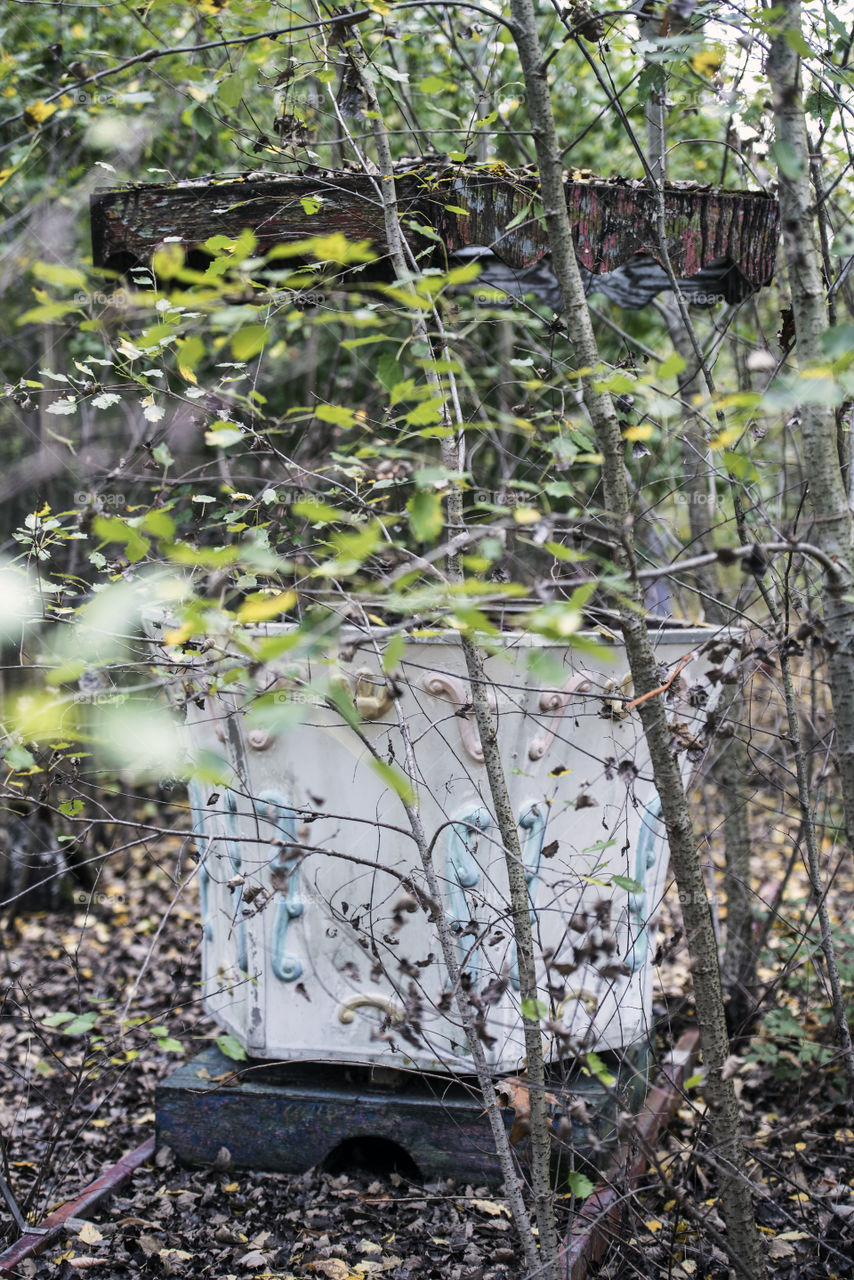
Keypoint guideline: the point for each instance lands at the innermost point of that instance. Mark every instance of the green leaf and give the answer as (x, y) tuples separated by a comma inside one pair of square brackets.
[(672, 366), (18, 757), (71, 808), (59, 1019), (56, 273), (170, 1045), (231, 1047), (332, 248), (230, 91), (311, 205), (624, 882), (739, 466), (249, 340), (790, 164), (393, 652), (597, 1067), (111, 529), (838, 341), (435, 85), (534, 1010), (335, 413), (161, 455), (188, 355), (82, 1024), (223, 435), (159, 523), (425, 515), (395, 779), (796, 40), (319, 512), (389, 372), (651, 80), (579, 1185), (167, 261), (560, 552), (425, 414)]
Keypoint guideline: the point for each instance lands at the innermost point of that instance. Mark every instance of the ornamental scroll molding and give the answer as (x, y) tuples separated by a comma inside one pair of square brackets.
[(553, 703), (440, 684), (368, 690)]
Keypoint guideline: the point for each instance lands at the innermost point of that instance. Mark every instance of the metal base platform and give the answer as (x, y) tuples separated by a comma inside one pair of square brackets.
[(289, 1118)]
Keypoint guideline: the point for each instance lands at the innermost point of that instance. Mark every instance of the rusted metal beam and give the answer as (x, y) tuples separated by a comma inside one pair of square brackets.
[(32, 1243), (593, 1230), (464, 206)]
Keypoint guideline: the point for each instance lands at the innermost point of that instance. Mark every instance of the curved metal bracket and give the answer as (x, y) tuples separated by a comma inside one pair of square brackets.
[(617, 694), (347, 1009), (371, 694)]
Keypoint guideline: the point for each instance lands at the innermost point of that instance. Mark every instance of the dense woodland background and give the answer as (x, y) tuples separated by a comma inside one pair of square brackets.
[(245, 439)]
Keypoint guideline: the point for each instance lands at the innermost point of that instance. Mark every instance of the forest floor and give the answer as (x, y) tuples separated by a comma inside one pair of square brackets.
[(75, 1097)]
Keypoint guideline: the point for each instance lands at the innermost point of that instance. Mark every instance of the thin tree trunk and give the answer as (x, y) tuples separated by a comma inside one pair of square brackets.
[(546, 1261), (520, 908), (833, 519), (738, 970), (723, 1107)]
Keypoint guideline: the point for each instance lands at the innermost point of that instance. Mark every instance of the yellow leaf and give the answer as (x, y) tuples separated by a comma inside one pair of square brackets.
[(489, 1206), (231, 1187), (708, 61), (526, 515), (168, 260), (725, 438), (258, 608), (39, 111), (179, 634), (89, 1233), (653, 1225), (643, 431)]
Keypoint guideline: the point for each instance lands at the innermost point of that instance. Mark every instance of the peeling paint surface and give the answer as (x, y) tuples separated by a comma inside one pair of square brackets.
[(611, 220)]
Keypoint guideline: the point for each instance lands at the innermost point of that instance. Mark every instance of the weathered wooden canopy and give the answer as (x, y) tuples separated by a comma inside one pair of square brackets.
[(725, 242)]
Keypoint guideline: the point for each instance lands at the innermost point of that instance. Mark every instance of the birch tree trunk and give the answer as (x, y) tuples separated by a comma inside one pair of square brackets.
[(834, 531), (732, 767), (833, 517), (724, 1116)]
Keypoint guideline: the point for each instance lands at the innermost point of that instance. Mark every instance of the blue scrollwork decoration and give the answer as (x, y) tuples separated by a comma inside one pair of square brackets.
[(274, 809), (649, 849), (464, 873), (200, 817), (533, 824), (232, 848)]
